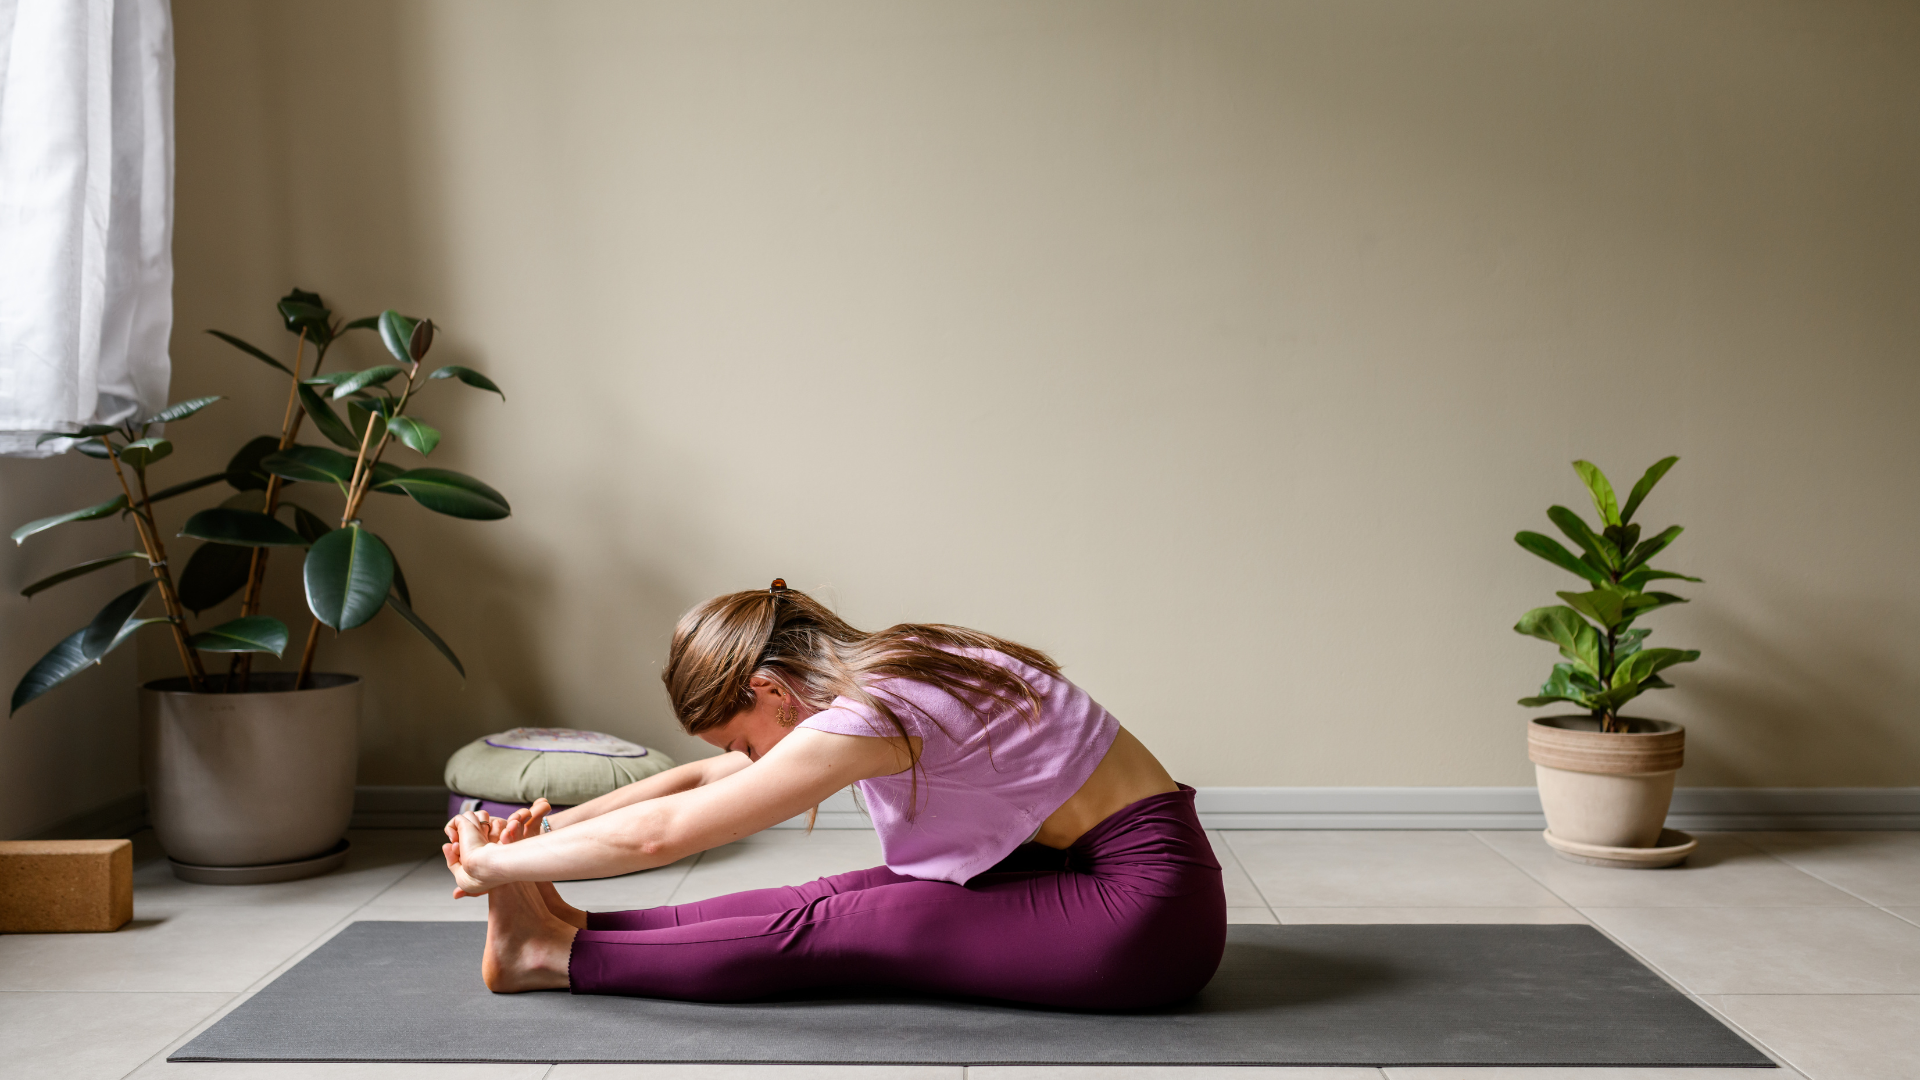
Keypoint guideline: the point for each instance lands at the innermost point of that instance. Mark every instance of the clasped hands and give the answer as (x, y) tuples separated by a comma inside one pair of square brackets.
[(469, 834)]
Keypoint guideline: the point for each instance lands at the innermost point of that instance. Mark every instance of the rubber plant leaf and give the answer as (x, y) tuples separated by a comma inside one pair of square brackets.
[(213, 573), (470, 377), (80, 570), (1601, 490), (400, 606), (106, 509), (191, 485), (305, 311), (349, 573), (1577, 531), (454, 494), (1549, 549), (371, 322), (360, 413), (373, 376), (245, 528), (1645, 486), (243, 468), (415, 435), (62, 662), (249, 633), (103, 633), (314, 463), (141, 453), (327, 420), (250, 350), (179, 410), (396, 331), (308, 524)]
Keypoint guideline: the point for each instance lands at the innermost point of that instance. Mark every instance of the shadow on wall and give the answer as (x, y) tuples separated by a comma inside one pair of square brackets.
[(1811, 685)]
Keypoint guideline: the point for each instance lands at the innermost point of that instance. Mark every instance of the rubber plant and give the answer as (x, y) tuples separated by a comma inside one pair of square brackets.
[(1607, 663), (348, 571)]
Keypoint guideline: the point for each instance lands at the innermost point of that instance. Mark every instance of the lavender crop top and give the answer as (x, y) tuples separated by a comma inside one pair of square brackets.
[(974, 808)]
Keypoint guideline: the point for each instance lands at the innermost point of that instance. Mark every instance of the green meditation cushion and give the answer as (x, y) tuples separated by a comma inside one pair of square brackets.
[(563, 766)]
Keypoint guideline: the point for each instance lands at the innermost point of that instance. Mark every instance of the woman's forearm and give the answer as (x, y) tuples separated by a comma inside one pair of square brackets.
[(632, 839), (672, 781)]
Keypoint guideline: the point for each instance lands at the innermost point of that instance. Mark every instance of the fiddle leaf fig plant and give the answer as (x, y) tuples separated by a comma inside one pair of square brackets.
[(1607, 663), (349, 572)]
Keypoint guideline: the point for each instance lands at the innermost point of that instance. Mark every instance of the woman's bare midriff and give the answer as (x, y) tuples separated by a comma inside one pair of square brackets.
[(1126, 775)]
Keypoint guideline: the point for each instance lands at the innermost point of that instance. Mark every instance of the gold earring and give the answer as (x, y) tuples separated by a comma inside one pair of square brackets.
[(788, 714)]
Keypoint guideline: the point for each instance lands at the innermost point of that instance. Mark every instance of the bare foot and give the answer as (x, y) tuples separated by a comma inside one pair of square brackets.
[(525, 823), (559, 908), (527, 947)]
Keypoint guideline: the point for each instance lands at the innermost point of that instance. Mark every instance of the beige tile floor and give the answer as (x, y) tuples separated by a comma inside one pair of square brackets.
[(1808, 942)]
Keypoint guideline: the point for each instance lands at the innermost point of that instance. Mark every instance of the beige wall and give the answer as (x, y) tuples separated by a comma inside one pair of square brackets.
[(1218, 348), (77, 748)]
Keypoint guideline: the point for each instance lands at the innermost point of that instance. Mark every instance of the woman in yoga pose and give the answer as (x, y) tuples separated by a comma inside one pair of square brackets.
[(1035, 851)]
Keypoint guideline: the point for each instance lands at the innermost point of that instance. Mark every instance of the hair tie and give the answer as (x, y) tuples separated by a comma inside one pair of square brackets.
[(779, 586)]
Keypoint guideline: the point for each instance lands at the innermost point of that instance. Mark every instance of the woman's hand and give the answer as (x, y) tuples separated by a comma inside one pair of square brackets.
[(470, 835)]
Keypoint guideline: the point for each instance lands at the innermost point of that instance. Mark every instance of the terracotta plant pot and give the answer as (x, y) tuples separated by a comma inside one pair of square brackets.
[(1606, 794), (252, 787)]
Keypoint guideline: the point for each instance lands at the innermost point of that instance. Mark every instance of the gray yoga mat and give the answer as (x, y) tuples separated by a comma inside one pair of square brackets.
[(1285, 995)]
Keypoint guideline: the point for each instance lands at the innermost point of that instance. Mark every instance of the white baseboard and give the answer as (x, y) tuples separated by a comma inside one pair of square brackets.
[(1709, 809)]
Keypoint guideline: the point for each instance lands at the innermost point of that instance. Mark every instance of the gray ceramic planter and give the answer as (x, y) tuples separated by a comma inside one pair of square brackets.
[(245, 788)]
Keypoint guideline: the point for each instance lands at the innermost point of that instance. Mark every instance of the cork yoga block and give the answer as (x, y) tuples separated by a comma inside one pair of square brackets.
[(56, 886)]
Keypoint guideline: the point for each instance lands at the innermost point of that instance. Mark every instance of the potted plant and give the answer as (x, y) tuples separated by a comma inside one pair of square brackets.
[(1606, 779), (250, 775)]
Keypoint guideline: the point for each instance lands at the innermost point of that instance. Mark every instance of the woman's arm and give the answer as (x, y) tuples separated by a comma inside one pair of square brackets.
[(801, 771), (671, 782)]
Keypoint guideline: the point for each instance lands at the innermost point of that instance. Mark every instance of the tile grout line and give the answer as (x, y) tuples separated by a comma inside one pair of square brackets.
[(299, 954), (1666, 976), (1815, 876), (1248, 874)]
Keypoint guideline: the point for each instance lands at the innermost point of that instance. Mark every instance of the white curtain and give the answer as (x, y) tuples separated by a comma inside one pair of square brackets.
[(86, 214)]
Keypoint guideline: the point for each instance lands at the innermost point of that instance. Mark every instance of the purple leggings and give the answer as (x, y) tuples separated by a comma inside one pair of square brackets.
[(1132, 916)]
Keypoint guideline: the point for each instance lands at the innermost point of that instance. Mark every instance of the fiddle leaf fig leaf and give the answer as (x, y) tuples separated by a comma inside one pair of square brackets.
[(243, 528), (1604, 606), (349, 573), (415, 435), (470, 377), (1638, 579), (80, 570), (1641, 489), (250, 350), (1601, 490), (1563, 626), (1649, 548), (1549, 549), (249, 633), (106, 509), (1577, 531), (327, 420)]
